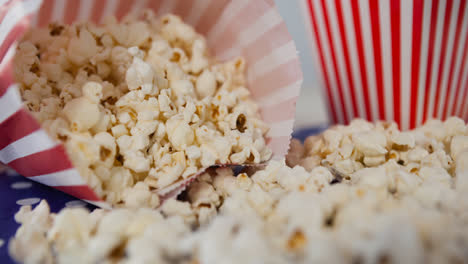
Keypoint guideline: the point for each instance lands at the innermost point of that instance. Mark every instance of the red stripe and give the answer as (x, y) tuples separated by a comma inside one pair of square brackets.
[(44, 162), (97, 10), (183, 8), (71, 11), (16, 32), (448, 15), (335, 62), (79, 191), (375, 27), (269, 82), (432, 33), (6, 77), (461, 15), (460, 79), (415, 60), (279, 112), (211, 15), (362, 61), (45, 13), (123, 8), (353, 91), (328, 91), (154, 5), (396, 54), (17, 126)]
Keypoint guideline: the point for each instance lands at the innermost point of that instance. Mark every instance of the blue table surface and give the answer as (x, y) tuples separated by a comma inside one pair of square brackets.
[(16, 190)]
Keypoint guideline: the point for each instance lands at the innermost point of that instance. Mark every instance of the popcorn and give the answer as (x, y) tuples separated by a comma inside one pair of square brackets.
[(276, 215), (139, 97)]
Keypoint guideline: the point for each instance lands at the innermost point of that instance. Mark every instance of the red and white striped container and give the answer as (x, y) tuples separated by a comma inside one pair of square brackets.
[(401, 60), (253, 29)]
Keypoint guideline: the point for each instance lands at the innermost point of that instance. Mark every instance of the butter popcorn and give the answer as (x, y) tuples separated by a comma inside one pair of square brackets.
[(142, 97)]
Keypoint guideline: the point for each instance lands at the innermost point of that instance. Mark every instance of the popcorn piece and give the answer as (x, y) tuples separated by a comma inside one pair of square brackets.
[(82, 48), (457, 145), (370, 143), (92, 91), (206, 84), (203, 193), (81, 113)]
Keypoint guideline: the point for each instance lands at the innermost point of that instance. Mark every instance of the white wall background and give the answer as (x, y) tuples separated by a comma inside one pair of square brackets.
[(311, 110)]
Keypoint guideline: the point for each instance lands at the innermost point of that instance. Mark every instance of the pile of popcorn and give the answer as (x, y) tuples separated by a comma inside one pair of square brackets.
[(363, 193), (139, 105)]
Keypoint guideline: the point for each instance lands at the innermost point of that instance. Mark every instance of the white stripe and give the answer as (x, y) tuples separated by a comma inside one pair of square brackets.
[(35, 142), (354, 59), (369, 56), (137, 7), (458, 73), (452, 104), (229, 12), (278, 156), (423, 61), (253, 32), (436, 61), (276, 58), (58, 11), (448, 56), (10, 102), (281, 129), (84, 13), (166, 7), (328, 60), (110, 9), (197, 10), (315, 55), (386, 53), (8, 59), (16, 14), (338, 47), (279, 95), (229, 53), (69, 177), (465, 86), (405, 61), (2, 2)]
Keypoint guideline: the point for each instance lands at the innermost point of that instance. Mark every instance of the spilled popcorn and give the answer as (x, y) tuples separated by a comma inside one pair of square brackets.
[(365, 193), (138, 105)]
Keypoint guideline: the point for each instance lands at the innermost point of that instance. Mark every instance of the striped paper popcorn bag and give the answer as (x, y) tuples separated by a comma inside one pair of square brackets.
[(252, 29), (401, 60)]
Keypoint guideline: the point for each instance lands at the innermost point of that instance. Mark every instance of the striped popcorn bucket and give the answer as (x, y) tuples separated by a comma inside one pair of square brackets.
[(401, 60), (253, 29)]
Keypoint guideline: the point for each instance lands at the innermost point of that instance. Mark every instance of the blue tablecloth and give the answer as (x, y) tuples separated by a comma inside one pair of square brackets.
[(16, 190)]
